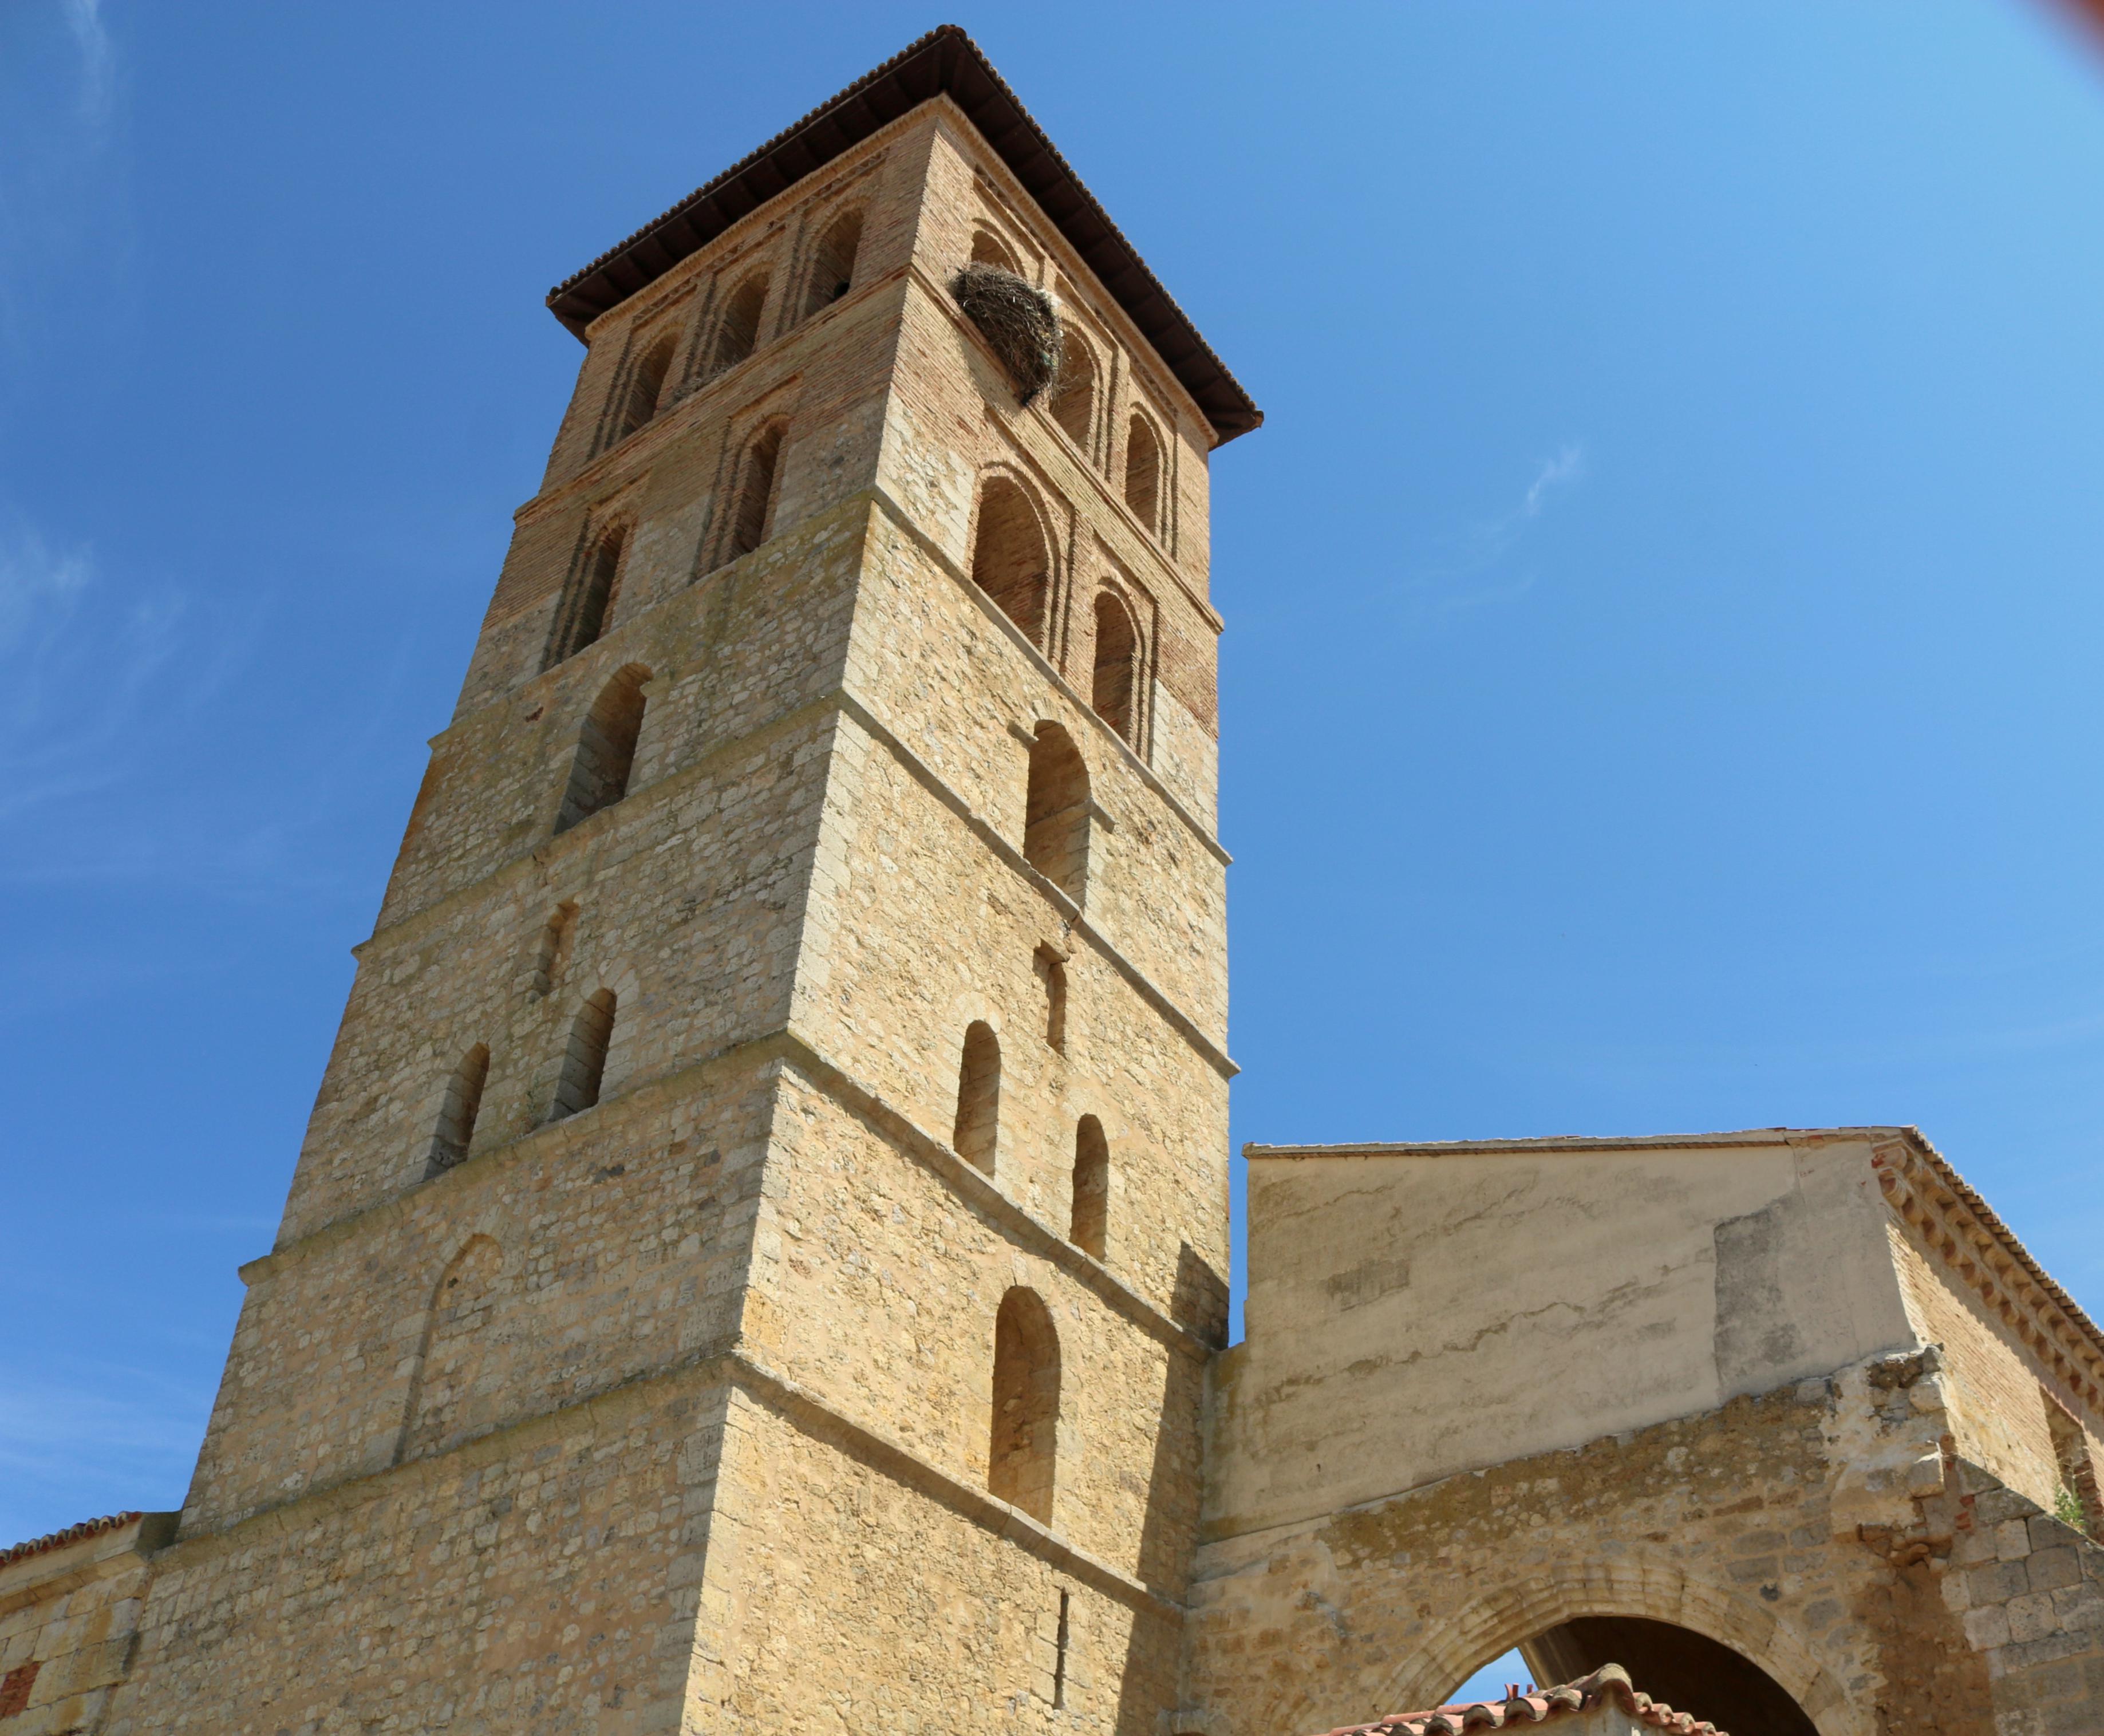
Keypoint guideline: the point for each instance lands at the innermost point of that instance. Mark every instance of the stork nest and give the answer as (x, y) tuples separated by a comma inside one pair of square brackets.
[(1018, 322)]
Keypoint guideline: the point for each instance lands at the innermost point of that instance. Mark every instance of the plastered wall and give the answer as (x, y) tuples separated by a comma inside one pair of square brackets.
[(1571, 1290)]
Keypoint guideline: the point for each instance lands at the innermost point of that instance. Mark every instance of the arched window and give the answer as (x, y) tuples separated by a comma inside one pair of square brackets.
[(1074, 397), (977, 1131), (1052, 976), (584, 1057), (588, 605), (833, 262), (646, 384), (1009, 559), (738, 331), (1023, 1462), (553, 952), (1055, 811), (754, 521), (1091, 1228), (457, 1112), (1143, 473), (989, 249), (1116, 680), (448, 1398), (606, 748)]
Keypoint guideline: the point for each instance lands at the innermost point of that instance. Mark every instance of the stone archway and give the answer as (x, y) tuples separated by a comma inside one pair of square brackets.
[(1658, 1592)]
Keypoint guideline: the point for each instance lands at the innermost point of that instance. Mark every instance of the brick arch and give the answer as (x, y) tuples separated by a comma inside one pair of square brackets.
[(1014, 545), (1539, 1597)]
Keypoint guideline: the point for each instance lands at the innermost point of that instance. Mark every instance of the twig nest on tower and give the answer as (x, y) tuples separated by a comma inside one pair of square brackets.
[(1017, 320)]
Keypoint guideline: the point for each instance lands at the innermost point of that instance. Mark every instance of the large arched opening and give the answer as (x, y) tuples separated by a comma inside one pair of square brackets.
[(1699, 1648)]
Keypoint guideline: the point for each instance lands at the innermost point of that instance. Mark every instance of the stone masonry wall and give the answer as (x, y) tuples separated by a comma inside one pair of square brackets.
[(855, 1598), (687, 891), (1746, 1524), (541, 1582), (886, 1249), (68, 1623), (618, 1241)]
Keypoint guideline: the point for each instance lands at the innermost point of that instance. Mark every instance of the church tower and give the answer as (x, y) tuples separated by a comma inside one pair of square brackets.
[(763, 1227)]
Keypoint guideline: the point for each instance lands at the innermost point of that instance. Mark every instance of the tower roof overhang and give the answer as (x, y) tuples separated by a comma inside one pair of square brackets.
[(946, 62)]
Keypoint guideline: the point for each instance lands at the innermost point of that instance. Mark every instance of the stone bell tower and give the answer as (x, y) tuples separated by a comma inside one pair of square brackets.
[(755, 1254)]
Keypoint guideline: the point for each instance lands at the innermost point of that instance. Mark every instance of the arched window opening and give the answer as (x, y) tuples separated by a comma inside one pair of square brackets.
[(738, 331), (2077, 1501), (833, 263), (457, 1113), (1010, 561), (448, 1397), (1021, 1465), (1052, 978), (553, 953), (1690, 1671), (1142, 474), (754, 523), (1091, 1228), (1074, 397), (977, 1131), (584, 1057), (1116, 679), (646, 384), (588, 605), (1055, 811), (606, 748), (989, 249)]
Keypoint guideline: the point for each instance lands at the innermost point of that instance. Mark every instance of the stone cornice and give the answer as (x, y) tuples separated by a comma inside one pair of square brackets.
[(736, 1369), (973, 1187), (1946, 1216)]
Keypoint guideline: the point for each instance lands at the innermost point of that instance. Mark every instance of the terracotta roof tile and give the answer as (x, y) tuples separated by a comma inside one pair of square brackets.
[(88, 1527), (1609, 1685)]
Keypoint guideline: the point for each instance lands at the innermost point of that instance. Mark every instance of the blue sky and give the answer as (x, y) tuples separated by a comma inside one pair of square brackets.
[(1664, 613)]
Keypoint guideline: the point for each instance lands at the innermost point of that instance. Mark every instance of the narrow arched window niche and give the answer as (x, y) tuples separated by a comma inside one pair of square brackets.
[(1012, 556), (1056, 811), (977, 1134), (1143, 473), (552, 953), (738, 328), (583, 1068), (1114, 684), (605, 754), (1051, 972), (591, 598), (833, 262), (989, 249), (448, 1397), (1023, 1456), (1074, 394), (458, 1110), (646, 384), (759, 482), (1089, 1227)]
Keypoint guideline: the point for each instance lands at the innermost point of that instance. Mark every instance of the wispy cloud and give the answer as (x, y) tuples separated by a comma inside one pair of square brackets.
[(1475, 566), (123, 1437), (1567, 466), (98, 63)]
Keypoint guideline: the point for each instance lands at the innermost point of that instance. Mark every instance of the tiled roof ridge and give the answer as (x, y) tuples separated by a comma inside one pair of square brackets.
[(1608, 1684), (2077, 1321), (87, 1529)]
